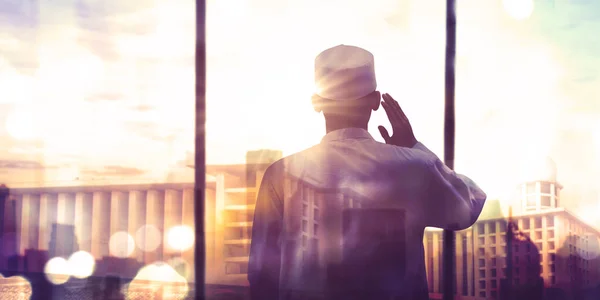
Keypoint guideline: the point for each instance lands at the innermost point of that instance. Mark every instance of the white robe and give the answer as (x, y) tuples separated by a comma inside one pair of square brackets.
[(345, 219)]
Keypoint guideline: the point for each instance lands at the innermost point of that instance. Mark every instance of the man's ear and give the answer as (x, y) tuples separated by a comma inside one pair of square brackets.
[(376, 100), (317, 103)]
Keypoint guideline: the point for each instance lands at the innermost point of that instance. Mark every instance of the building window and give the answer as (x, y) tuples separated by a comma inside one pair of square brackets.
[(492, 227), (481, 241), (304, 225), (545, 187), (526, 224), (546, 201), (304, 210), (482, 294), (493, 239), (550, 234), (482, 284), (493, 276), (481, 251), (494, 284), (538, 222), (493, 249), (551, 245), (550, 221), (531, 188), (316, 229), (304, 242), (553, 279), (531, 200), (493, 262), (538, 235), (481, 228), (502, 226), (316, 214), (481, 262), (481, 273), (552, 257)]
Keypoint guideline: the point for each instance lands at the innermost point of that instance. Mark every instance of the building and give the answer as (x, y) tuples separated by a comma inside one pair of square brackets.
[(229, 215), (551, 248), (60, 221)]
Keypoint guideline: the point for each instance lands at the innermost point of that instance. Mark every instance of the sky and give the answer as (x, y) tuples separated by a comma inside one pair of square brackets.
[(95, 92)]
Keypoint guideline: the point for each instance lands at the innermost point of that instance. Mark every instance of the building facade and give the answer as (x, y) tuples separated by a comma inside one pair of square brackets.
[(42, 223), (552, 251), (548, 249)]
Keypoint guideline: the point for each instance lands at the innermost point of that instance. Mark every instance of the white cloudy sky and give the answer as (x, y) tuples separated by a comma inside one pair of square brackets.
[(102, 91)]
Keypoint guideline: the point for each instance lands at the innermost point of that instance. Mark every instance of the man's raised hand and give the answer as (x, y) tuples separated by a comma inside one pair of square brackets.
[(403, 135)]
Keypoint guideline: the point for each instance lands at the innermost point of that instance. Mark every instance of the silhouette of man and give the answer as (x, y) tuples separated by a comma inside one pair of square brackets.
[(367, 194)]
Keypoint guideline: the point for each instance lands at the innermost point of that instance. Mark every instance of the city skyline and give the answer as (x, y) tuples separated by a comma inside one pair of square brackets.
[(230, 200)]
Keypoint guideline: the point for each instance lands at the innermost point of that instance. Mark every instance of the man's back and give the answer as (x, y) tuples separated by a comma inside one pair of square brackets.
[(345, 219)]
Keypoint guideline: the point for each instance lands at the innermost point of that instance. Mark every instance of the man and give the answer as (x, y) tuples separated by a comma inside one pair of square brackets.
[(371, 201)]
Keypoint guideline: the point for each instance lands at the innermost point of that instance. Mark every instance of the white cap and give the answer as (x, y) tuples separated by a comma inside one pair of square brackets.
[(345, 73)]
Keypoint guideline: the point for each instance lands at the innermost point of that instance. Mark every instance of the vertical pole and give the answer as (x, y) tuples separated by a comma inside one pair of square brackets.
[(200, 149), (449, 268)]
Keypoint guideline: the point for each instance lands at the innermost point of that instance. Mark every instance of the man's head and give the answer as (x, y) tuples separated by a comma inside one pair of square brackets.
[(346, 84)]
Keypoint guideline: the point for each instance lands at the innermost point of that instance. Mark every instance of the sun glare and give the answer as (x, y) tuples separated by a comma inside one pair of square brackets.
[(519, 9), (21, 125)]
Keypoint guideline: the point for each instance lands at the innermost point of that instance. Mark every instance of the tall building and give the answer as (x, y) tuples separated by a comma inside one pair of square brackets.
[(58, 221), (229, 215), (549, 244)]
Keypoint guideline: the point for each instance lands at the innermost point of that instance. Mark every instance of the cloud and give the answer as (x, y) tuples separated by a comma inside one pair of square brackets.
[(152, 130), (143, 108), (22, 164), (113, 171), (105, 96)]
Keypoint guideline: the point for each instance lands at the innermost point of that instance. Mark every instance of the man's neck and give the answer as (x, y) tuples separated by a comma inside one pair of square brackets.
[(333, 126)]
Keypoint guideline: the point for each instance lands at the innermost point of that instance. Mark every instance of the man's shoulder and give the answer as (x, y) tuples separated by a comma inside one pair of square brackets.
[(403, 156)]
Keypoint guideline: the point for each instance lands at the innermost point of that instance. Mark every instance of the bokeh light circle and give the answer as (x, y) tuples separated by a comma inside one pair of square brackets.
[(57, 270), (180, 238), (148, 238), (519, 9), (81, 264), (121, 244)]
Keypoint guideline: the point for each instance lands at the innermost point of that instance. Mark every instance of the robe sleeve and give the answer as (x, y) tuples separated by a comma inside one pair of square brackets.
[(451, 201), (265, 250)]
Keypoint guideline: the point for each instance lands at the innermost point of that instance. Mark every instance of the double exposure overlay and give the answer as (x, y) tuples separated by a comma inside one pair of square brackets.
[(97, 108)]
